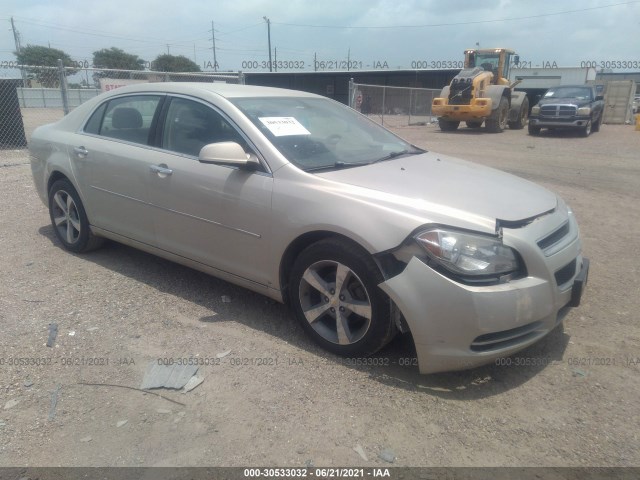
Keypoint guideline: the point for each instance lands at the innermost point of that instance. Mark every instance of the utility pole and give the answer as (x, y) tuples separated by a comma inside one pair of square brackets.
[(269, 40), (16, 36), (168, 51), (348, 59), (275, 58), (195, 60), (213, 40), (16, 39)]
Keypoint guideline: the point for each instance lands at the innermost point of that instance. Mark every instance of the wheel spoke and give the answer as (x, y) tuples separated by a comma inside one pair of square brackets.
[(314, 313), (362, 308), (58, 198), (70, 204), (59, 220), (75, 223), (342, 329), (342, 273), (70, 231), (313, 279)]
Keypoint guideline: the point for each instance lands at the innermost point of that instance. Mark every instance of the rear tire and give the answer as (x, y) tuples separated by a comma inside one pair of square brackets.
[(69, 219), (523, 114), (497, 122), (448, 125), (335, 295)]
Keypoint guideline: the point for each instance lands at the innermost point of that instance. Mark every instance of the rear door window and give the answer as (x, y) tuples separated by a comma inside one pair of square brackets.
[(125, 118)]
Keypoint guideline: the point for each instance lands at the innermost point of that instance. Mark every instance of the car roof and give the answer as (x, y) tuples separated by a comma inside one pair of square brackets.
[(226, 90)]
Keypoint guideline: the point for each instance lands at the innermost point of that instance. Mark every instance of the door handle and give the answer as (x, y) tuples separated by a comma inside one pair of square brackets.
[(161, 170), (81, 151)]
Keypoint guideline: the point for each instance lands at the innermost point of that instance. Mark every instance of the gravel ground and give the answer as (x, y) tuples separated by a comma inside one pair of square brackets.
[(276, 399)]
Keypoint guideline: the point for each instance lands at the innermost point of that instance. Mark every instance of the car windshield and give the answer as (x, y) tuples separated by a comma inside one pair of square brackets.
[(569, 92), (317, 133)]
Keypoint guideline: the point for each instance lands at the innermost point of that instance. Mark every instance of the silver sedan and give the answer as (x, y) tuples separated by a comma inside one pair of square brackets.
[(306, 201)]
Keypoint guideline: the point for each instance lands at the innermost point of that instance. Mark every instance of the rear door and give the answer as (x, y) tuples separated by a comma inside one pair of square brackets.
[(112, 160)]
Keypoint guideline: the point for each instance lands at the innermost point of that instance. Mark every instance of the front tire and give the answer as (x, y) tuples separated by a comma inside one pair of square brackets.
[(523, 114), (448, 125), (597, 124), (497, 122), (69, 219), (335, 295), (586, 130)]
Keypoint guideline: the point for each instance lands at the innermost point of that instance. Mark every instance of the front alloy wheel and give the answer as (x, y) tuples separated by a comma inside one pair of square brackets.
[(335, 302), (335, 295)]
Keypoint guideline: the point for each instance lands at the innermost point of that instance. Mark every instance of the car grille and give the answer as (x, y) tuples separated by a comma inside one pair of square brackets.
[(558, 110), (566, 273), (506, 338), (554, 237), (460, 92)]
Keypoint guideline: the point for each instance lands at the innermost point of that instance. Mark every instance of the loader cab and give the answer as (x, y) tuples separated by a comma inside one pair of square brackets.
[(495, 60)]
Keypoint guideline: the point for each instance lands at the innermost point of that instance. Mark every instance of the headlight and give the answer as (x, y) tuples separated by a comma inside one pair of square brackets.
[(584, 111), (535, 110), (467, 254)]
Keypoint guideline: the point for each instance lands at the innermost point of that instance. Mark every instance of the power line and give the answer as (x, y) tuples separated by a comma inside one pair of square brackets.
[(475, 22)]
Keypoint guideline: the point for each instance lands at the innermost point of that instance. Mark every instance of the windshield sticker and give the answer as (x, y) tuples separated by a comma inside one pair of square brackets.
[(282, 126)]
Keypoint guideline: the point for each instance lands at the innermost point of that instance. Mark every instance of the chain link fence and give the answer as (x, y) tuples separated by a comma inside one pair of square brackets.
[(42, 95), (393, 106)]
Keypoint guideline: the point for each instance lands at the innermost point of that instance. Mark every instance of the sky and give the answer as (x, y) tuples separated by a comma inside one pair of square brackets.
[(369, 33)]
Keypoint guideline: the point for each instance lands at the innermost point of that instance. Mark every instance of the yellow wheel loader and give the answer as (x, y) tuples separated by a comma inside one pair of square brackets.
[(481, 93)]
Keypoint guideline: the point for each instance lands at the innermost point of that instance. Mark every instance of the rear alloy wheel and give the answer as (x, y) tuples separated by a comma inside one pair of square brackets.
[(69, 219), (497, 122), (448, 125), (586, 130), (335, 294)]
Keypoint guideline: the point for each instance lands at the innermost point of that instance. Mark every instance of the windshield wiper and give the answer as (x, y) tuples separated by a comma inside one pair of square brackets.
[(336, 165), (399, 153)]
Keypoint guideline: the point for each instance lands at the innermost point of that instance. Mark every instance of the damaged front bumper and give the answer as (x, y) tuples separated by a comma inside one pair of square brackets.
[(457, 326)]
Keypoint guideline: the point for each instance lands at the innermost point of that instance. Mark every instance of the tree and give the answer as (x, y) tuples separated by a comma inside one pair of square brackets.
[(115, 58), (174, 63), (44, 57)]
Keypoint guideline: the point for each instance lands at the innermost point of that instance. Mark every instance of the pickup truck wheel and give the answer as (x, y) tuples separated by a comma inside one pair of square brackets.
[(497, 122), (534, 130), (596, 125), (586, 130), (448, 125)]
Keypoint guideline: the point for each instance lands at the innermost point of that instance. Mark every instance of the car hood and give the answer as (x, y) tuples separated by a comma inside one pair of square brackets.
[(564, 101), (447, 186)]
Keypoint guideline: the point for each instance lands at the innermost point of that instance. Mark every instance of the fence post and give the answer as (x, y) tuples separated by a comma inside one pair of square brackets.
[(384, 92), (410, 102), (352, 92), (63, 87)]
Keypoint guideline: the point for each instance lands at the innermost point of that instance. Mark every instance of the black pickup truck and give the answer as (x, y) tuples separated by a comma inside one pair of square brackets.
[(578, 107)]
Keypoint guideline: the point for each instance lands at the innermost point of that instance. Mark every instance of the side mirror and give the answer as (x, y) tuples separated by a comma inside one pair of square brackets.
[(227, 153)]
